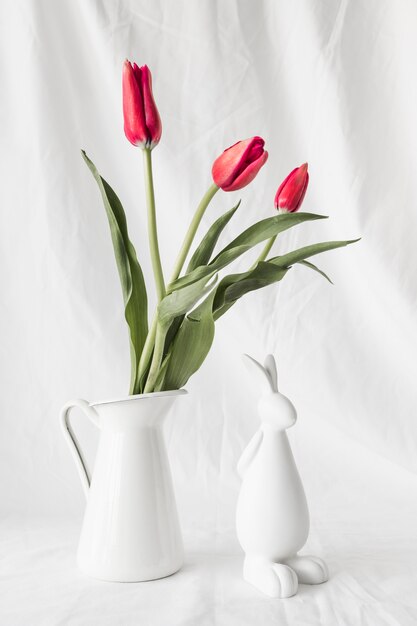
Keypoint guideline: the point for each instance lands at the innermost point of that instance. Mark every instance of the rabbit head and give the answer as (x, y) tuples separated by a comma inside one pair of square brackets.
[(275, 409)]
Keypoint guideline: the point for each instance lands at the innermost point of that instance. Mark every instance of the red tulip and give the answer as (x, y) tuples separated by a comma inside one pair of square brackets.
[(142, 122), (292, 190), (239, 164)]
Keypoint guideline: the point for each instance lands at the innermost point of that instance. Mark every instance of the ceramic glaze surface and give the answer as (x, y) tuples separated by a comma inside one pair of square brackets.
[(278, 510), (272, 520), (130, 530)]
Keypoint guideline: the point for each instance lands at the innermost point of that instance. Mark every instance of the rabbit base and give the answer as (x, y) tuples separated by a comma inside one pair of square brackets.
[(280, 580)]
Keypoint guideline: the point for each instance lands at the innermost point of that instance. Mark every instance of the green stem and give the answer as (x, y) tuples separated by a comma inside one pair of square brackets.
[(156, 359), (133, 370), (151, 339), (152, 229), (146, 355), (192, 229), (264, 252)]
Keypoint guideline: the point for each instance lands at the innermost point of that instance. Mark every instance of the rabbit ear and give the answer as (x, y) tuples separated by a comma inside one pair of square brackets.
[(260, 371), (271, 367)]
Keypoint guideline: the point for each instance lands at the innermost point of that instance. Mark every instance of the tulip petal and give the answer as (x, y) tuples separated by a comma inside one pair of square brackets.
[(153, 121), (224, 166), (248, 174), (229, 165), (137, 71), (282, 185), (133, 111), (232, 163), (303, 192), (291, 192)]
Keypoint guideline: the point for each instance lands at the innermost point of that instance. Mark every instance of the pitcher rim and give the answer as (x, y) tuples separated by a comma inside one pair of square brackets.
[(139, 396)]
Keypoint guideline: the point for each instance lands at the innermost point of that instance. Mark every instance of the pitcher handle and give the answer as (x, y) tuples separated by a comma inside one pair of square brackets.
[(72, 441)]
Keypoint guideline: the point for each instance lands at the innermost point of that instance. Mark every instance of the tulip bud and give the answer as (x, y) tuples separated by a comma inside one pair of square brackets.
[(292, 190), (142, 123), (239, 164)]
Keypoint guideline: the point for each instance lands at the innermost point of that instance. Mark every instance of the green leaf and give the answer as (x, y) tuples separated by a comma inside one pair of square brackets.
[(130, 272), (234, 286), (205, 249), (182, 300), (209, 270), (316, 269), (301, 254), (195, 335), (194, 338), (161, 374), (191, 345), (172, 331), (269, 227), (245, 241)]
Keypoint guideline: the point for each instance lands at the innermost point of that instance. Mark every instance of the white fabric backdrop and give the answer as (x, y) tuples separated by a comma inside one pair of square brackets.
[(330, 82)]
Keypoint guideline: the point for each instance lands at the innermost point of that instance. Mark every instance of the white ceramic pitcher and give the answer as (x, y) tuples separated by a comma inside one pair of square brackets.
[(130, 530)]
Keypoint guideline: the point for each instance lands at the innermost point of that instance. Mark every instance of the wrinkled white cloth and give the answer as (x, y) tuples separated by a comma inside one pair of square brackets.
[(364, 514), (328, 82)]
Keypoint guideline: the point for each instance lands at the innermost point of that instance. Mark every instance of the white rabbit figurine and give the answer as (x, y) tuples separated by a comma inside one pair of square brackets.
[(272, 518)]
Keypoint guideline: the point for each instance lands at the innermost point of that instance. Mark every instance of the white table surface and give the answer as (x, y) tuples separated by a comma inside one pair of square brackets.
[(373, 580)]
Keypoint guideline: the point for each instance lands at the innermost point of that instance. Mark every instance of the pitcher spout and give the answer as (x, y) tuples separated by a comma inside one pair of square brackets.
[(138, 411)]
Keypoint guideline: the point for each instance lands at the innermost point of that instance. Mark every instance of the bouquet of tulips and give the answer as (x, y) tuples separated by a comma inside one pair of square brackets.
[(167, 352)]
